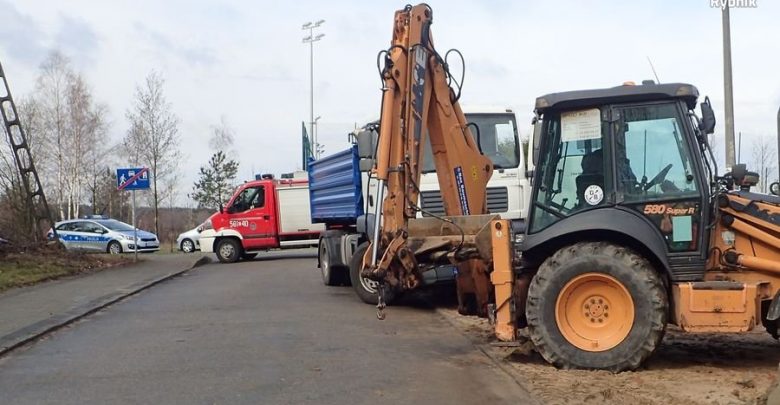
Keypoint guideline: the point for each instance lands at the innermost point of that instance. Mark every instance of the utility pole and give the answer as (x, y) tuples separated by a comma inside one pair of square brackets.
[(778, 144), (728, 89), (311, 39)]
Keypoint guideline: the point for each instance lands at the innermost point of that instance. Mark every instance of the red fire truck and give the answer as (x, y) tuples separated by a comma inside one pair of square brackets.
[(261, 215)]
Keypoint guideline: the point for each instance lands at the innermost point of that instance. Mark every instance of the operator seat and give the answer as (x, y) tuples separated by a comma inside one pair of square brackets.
[(592, 174)]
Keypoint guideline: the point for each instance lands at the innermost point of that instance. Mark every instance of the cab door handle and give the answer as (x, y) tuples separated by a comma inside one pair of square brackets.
[(266, 217)]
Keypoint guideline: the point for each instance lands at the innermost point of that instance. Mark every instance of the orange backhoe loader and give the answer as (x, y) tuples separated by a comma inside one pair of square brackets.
[(630, 227)]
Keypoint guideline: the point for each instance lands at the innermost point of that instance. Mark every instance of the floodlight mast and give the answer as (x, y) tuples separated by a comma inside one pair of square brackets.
[(311, 39)]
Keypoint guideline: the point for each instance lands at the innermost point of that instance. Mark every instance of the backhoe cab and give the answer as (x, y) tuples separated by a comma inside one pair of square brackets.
[(630, 228)]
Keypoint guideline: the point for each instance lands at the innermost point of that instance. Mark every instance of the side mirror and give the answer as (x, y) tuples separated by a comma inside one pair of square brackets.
[(707, 124), (739, 171), (774, 188), (366, 143), (537, 135), (366, 165)]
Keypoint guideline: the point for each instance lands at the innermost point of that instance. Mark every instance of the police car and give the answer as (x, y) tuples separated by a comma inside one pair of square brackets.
[(100, 234)]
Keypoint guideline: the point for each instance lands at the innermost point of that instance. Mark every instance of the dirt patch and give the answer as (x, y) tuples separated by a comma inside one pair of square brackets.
[(686, 368), (21, 266)]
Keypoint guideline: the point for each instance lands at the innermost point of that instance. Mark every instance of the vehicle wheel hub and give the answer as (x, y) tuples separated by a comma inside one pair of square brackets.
[(594, 312), (226, 250), (369, 285)]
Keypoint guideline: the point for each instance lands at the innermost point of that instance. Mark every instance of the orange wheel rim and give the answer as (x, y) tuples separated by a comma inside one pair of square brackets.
[(594, 312)]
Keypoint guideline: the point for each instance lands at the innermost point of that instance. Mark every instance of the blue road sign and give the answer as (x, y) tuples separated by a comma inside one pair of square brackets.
[(132, 179)]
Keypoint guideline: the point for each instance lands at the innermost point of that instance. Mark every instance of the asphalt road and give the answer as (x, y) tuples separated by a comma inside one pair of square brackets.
[(260, 332)]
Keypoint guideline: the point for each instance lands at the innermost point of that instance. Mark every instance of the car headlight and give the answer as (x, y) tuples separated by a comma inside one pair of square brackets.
[(128, 237)]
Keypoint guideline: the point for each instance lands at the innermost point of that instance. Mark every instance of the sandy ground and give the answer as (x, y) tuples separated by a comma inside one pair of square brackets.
[(686, 369)]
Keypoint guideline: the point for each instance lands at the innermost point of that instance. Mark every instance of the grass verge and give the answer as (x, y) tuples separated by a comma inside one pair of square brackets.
[(30, 266)]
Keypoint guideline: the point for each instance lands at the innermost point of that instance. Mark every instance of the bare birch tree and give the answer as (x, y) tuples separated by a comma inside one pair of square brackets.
[(70, 130), (51, 93), (764, 160), (153, 137), (87, 148), (222, 138)]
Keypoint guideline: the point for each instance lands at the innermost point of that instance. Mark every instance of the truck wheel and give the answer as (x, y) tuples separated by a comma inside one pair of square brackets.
[(331, 275), (596, 305), (366, 289), (769, 325), (228, 250)]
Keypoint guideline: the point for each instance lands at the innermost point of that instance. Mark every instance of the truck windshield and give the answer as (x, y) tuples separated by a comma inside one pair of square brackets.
[(497, 139)]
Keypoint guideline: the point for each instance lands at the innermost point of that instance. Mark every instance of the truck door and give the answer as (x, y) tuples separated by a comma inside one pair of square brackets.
[(253, 218), (656, 176)]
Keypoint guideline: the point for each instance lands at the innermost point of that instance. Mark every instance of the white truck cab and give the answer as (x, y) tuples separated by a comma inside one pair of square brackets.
[(508, 188)]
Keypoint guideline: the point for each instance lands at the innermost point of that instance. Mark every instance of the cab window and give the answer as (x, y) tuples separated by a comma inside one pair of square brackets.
[(652, 158), (572, 166), (497, 137), (249, 198)]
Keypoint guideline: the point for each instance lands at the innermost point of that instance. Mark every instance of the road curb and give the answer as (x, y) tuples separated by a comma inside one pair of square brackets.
[(498, 362), (29, 334)]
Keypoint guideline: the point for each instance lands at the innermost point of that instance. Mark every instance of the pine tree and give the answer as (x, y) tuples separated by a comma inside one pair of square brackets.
[(215, 181)]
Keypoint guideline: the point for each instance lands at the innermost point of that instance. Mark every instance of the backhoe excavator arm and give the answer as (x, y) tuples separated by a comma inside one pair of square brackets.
[(418, 102)]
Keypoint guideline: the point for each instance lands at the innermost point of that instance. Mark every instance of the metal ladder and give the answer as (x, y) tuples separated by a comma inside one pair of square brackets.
[(36, 200)]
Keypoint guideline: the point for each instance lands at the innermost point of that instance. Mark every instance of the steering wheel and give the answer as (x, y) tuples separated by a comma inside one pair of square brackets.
[(660, 177)]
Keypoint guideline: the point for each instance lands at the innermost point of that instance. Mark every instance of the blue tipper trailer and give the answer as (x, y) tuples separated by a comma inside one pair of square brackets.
[(342, 197)]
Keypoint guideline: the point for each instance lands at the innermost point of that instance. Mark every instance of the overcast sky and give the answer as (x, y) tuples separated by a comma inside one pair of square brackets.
[(245, 59)]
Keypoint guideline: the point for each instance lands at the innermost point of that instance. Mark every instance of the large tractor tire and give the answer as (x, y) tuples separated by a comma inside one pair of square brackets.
[(596, 305), (365, 289)]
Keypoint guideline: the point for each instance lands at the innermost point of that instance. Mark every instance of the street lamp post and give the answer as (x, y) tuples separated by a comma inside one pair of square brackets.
[(728, 89), (315, 134), (311, 39)]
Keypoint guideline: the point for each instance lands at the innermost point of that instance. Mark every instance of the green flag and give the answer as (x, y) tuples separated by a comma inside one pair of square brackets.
[(305, 147)]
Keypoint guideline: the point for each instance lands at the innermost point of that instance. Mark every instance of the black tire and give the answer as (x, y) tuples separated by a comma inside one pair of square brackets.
[(248, 256), (769, 325), (362, 286), (114, 247), (636, 275), (228, 250), (331, 274), (187, 246)]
